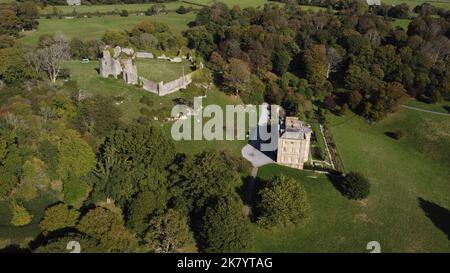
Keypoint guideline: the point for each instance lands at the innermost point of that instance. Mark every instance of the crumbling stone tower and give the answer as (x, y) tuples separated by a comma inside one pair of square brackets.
[(116, 61)]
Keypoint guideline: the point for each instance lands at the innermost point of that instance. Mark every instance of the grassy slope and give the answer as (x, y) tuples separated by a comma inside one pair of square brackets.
[(399, 174), (91, 28), (442, 107), (90, 82), (171, 6), (413, 3)]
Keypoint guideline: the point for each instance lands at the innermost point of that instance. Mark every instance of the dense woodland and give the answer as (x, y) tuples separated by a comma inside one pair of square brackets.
[(353, 58), (123, 187)]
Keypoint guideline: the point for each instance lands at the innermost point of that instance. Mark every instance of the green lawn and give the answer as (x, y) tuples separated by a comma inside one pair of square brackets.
[(413, 3), (403, 23), (91, 28), (161, 70), (442, 107), (400, 171), (171, 6)]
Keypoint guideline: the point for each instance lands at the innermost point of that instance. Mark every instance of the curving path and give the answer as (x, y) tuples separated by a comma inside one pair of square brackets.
[(425, 111)]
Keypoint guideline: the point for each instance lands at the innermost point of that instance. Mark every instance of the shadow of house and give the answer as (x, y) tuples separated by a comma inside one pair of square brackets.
[(440, 216), (256, 141)]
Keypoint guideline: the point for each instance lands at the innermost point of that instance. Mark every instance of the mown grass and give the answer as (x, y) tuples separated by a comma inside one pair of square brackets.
[(403, 23), (400, 172), (441, 107), (171, 6), (95, 27), (162, 70), (413, 3)]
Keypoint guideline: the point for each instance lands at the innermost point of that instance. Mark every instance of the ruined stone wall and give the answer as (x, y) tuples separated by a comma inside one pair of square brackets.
[(116, 61), (129, 71), (119, 61), (149, 85), (73, 2), (162, 89), (174, 85), (109, 66)]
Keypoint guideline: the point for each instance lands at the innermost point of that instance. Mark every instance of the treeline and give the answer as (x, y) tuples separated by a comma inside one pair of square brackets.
[(352, 59), (102, 2), (146, 35), (17, 16)]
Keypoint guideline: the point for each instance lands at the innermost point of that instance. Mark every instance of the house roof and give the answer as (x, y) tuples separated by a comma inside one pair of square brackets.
[(295, 129)]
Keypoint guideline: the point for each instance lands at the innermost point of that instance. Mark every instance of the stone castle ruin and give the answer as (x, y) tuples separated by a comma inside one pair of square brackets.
[(120, 61)]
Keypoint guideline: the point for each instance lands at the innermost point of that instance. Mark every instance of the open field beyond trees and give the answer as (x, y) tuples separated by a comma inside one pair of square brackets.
[(171, 6), (413, 3), (91, 28)]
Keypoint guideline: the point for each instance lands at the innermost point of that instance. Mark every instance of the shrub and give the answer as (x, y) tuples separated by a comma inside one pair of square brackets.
[(20, 215), (355, 186), (124, 13), (182, 10), (147, 101)]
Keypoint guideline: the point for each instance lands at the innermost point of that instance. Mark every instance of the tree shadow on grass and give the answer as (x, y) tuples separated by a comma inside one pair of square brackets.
[(390, 134), (446, 108), (14, 249), (336, 181), (440, 216)]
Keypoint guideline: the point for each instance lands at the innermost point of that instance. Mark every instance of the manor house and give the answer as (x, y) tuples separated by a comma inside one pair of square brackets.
[(294, 143)]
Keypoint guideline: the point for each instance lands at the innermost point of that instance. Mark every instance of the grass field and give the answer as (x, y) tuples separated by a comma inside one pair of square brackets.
[(91, 28), (442, 107), (171, 6), (413, 3), (403, 23), (161, 70), (400, 171)]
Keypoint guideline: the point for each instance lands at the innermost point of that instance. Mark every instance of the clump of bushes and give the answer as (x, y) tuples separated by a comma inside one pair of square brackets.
[(147, 101), (20, 215), (183, 10), (124, 13), (355, 186)]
